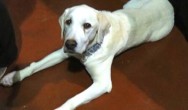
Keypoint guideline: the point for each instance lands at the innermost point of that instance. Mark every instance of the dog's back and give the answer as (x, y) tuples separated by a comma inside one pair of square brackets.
[(150, 20)]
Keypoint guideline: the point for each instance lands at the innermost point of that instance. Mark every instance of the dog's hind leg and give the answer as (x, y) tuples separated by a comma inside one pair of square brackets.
[(101, 76), (52, 59)]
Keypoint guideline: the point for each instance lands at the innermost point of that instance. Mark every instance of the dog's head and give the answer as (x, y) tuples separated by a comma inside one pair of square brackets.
[(81, 26)]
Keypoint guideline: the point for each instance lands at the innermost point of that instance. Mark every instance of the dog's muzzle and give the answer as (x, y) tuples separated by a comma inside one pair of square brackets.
[(70, 45)]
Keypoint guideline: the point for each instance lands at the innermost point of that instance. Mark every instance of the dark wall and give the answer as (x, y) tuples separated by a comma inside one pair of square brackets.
[(8, 48), (181, 16)]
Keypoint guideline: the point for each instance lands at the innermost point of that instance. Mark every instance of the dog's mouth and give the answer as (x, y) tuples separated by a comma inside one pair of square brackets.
[(77, 50), (69, 51), (72, 52)]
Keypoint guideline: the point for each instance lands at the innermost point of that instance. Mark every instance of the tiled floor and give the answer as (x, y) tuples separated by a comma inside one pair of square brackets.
[(153, 76)]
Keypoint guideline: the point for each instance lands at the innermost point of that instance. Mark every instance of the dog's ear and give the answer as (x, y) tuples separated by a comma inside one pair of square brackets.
[(104, 26), (62, 21)]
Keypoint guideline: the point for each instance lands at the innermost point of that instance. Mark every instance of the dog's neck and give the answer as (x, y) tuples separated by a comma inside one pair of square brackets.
[(92, 49), (93, 46)]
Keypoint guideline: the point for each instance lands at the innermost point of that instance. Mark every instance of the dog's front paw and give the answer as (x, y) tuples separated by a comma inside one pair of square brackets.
[(65, 106), (8, 80)]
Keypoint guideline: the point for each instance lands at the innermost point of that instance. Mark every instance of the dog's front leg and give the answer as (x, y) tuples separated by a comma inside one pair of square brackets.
[(52, 59), (101, 76)]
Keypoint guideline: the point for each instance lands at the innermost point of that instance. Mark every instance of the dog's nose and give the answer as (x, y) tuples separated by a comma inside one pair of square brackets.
[(70, 44)]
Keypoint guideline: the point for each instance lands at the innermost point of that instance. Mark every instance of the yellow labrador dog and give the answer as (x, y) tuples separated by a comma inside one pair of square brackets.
[(95, 37)]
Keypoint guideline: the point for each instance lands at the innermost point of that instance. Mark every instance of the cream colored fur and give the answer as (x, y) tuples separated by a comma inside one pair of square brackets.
[(138, 22)]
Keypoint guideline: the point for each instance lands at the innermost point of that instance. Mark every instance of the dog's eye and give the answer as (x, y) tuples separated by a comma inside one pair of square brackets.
[(86, 25), (68, 22)]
